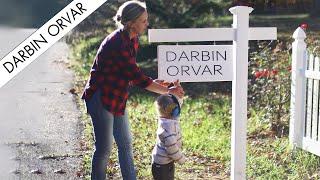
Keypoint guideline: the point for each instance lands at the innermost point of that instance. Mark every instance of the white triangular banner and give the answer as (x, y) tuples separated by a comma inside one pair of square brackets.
[(45, 37)]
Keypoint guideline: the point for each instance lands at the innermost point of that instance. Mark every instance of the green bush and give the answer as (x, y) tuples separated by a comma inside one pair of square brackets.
[(269, 84)]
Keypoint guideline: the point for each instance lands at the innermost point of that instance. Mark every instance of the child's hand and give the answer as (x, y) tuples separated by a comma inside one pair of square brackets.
[(176, 90), (177, 83), (182, 160)]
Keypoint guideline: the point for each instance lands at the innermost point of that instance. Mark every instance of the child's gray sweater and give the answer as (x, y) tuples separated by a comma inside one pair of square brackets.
[(169, 142)]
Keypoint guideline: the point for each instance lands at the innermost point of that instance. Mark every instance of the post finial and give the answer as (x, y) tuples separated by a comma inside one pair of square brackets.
[(299, 34), (241, 9)]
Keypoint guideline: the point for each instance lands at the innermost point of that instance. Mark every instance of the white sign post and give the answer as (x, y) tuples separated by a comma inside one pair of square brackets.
[(240, 34)]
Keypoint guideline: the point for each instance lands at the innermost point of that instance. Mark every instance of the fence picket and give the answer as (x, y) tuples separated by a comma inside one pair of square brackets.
[(309, 99), (315, 103), (318, 138)]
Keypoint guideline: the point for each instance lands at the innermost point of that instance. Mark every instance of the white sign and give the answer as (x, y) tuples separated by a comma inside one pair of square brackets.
[(195, 63)]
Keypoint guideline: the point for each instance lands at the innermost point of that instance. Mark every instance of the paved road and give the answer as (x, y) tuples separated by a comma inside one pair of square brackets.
[(39, 124)]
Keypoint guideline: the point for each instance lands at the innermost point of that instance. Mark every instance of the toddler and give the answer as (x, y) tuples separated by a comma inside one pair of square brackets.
[(167, 149)]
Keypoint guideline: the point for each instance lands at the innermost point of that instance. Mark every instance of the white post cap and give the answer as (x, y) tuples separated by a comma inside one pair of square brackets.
[(299, 34), (241, 10)]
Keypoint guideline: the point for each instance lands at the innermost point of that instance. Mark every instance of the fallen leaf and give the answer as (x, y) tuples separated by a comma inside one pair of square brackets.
[(73, 91), (59, 171), (35, 171), (15, 171)]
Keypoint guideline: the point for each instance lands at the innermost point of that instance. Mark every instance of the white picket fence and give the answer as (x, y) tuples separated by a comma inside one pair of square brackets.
[(305, 116)]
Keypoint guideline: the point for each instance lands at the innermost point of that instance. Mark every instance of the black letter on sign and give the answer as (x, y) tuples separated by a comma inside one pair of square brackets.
[(74, 13), (16, 60), (79, 6), (194, 56), (53, 25), (206, 69), (40, 41), (185, 69), (12, 67), (205, 54), (27, 48), (60, 23), (217, 68), (177, 71), (167, 56), (183, 55), (224, 57)]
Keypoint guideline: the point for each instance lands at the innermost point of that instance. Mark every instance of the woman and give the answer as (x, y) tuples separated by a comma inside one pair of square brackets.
[(106, 92)]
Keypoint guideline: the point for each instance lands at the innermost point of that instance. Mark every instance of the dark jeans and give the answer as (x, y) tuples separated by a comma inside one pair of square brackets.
[(106, 126), (163, 171)]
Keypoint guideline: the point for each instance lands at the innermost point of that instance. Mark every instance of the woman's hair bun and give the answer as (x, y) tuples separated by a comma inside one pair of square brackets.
[(129, 11)]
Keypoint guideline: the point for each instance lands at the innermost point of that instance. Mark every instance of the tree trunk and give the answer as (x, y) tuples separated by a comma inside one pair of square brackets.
[(300, 6), (315, 11)]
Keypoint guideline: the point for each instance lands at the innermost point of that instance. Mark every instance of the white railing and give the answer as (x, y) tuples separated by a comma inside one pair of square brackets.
[(305, 116)]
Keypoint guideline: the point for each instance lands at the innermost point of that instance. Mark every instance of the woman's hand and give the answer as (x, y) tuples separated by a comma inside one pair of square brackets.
[(161, 87), (162, 82)]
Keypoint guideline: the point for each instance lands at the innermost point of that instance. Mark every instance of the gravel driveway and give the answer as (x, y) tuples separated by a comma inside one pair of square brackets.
[(39, 121)]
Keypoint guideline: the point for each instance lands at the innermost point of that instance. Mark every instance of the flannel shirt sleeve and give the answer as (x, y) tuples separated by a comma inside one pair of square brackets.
[(134, 74)]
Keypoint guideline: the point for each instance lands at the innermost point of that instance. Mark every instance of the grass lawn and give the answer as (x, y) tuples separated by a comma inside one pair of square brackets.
[(206, 125)]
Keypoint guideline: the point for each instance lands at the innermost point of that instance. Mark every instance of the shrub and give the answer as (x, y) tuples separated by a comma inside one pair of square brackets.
[(269, 84)]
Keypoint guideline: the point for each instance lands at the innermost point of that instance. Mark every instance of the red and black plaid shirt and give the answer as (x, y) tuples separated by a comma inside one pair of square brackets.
[(113, 69)]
